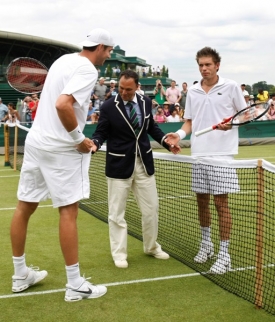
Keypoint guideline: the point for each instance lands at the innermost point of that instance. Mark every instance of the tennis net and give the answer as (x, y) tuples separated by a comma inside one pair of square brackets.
[(251, 204)]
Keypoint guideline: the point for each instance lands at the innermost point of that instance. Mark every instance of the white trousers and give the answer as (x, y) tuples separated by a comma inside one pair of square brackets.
[(145, 192)]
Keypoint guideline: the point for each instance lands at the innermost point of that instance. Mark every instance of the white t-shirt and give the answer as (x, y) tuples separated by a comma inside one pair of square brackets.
[(171, 119), (71, 74), (207, 109)]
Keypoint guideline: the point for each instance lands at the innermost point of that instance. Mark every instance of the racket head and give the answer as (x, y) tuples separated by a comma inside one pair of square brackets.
[(26, 75), (250, 113)]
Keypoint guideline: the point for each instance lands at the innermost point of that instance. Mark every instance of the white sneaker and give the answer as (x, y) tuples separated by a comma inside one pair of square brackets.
[(85, 291), (121, 263), (21, 283), (206, 251), (161, 255), (222, 264)]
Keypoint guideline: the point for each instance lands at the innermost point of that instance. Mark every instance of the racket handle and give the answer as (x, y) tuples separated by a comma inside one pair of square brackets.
[(213, 127), (208, 129)]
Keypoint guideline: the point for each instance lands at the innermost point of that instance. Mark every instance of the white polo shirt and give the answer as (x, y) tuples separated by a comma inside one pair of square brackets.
[(207, 109), (71, 74)]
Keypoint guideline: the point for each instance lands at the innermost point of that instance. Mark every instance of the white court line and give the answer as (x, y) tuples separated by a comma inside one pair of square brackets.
[(133, 281), (109, 284)]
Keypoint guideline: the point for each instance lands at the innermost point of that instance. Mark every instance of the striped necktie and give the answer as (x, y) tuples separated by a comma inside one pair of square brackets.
[(133, 117)]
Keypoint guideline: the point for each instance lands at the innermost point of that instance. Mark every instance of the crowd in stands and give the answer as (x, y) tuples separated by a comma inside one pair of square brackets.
[(168, 105), (23, 112)]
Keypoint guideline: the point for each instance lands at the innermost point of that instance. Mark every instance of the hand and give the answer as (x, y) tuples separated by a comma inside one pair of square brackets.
[(94, 147), (224, 126), (172, 139), (85, 146), (175, 149)]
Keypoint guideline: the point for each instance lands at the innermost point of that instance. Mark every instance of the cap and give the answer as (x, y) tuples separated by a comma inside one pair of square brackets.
[(177, 104), (112, 81), (246, 95), (166, 103), (251, 96), (98, 36)]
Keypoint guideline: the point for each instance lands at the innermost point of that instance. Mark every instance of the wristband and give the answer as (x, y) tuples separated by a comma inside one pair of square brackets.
[(181, 133), (77, 135)]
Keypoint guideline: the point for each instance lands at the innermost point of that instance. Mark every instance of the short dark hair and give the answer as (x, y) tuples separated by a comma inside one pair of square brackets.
[(128, 73), (93, 48), (12, 105), (208, 51)]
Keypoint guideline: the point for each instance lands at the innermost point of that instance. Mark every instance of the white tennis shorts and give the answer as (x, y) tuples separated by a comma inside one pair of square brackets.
[(212, 179), (61, 176)]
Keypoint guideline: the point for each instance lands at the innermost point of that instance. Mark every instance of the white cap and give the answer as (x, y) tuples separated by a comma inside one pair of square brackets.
[(98, 36), (112, 81)]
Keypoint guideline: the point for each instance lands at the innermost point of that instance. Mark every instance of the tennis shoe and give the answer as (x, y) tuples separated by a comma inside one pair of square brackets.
[(222, 264), (85, 291), (206, 251), (21, 283), (121, 263)]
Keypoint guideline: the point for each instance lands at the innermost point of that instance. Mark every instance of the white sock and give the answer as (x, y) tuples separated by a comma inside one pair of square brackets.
[(73, 275), (20, 267), (224, 245), (206, 234)]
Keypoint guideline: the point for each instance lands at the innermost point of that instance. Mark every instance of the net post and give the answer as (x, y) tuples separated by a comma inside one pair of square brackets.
[(259, 236), (15, 147), (7, 145)]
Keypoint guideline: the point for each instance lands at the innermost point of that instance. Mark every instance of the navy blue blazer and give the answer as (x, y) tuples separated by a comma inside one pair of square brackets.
[(123, 145)]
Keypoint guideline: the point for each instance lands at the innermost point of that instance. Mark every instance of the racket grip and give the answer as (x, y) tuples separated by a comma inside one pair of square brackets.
[(208, 129)]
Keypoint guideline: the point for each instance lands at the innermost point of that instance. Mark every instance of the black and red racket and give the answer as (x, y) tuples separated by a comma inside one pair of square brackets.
[(26, 75), (249, 114)]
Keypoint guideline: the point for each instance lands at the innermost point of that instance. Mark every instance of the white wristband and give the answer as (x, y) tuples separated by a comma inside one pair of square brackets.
[(181, 133), (77, 135)]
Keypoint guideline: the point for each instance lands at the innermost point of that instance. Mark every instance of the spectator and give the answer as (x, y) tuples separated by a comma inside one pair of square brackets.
[(183, 95), (158, 71), (13, 116), (173, 94), (4, 111), (251, 99), (99, 93), (111, 91), (180, 110), (262, 95), (160, 117), (139, 90), (143, 72), (26, 109), (90, 112), (244, 91), (33, 105), (159, 92), (117, 71), (166, 109), (154, 107), (272, 99), (271, 111), (173, 117), (247, 100)]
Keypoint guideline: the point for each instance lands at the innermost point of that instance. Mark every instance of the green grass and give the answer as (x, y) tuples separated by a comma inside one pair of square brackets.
[(190, 298)]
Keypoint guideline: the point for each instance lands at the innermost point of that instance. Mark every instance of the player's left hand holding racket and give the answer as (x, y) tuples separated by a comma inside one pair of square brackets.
[(247, 115), (26, 75)]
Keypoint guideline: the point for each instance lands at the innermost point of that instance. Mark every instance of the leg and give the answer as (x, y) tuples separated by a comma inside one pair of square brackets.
[(206, 248), (19, 225), (225, 221), (118, 191), (23, 277), (145, 191), (68, 233), (223, 263)]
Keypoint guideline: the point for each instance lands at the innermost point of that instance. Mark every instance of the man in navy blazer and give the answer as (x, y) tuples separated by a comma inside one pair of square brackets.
[(130, 165)]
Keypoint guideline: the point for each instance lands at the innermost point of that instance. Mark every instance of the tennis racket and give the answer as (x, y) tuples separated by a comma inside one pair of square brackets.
[(26, 75), (249, 114)]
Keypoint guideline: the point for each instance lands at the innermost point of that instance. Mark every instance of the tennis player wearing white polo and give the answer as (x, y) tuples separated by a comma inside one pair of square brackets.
[(56, 161), (209, 102)]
